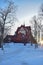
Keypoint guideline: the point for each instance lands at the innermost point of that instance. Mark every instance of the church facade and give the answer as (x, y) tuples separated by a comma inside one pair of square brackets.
[(23, 34)]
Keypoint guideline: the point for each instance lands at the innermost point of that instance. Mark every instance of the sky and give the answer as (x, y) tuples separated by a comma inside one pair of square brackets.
[(26, 9)]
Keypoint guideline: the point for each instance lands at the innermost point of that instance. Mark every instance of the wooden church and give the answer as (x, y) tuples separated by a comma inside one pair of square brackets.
[(23, 34)]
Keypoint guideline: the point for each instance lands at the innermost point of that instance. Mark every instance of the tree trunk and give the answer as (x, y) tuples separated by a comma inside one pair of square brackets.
[(36, 45), (1, 42)]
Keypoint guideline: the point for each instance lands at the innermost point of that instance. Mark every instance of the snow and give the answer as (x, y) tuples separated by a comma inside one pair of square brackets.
[(18, 54)]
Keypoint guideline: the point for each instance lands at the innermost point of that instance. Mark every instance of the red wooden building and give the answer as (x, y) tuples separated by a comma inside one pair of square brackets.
[(22, 35)]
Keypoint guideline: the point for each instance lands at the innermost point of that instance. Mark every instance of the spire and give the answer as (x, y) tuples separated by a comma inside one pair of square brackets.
[(24, 23)]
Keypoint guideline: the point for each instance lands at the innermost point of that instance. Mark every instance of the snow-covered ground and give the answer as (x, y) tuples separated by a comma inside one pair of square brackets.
[(18, 54)]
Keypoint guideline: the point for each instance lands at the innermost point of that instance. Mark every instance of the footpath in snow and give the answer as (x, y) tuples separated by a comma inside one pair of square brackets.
[(18, 54)]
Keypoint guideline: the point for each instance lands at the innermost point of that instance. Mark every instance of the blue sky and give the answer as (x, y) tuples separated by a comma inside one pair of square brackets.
[(26, 9)]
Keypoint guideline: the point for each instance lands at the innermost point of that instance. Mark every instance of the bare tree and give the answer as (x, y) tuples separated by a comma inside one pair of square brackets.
[(7, 19), (34, 23), (34, 26), (37, 23)]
